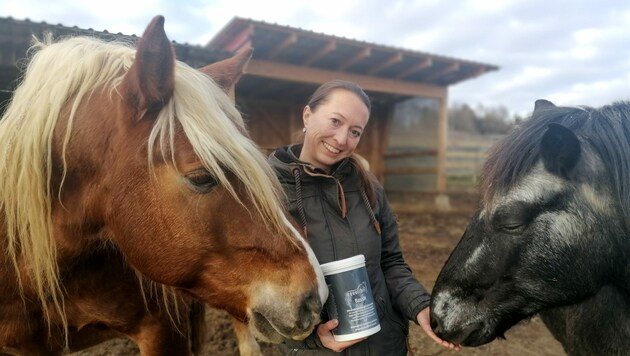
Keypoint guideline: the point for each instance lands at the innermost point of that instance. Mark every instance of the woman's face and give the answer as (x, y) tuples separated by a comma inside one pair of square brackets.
[(333, 130)]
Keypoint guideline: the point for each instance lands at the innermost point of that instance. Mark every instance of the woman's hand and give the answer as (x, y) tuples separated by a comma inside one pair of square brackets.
[(324, 331), (424, 319)]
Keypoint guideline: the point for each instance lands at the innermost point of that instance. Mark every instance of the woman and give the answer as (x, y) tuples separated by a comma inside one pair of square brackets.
[(344, 212)]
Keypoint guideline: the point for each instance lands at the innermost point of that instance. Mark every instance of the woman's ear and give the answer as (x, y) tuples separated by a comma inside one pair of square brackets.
[(306, 115)]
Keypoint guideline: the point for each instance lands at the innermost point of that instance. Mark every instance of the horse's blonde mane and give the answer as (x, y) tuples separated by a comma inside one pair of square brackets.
[(214, 128), (56, 74), (60, 76)]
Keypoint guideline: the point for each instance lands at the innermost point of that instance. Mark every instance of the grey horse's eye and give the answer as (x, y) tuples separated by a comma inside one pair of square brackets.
[(514, 218), (512, 227)]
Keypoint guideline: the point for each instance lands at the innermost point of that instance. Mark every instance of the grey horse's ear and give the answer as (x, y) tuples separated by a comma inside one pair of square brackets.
[(560, 150), (542, 104)]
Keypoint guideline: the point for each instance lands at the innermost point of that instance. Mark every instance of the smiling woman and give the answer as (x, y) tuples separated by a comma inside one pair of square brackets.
[(343, 211)]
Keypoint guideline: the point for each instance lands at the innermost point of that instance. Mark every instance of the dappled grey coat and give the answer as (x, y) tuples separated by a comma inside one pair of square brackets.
[(339, 226)]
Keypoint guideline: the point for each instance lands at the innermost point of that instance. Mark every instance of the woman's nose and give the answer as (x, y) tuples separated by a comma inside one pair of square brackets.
[(341, 137)]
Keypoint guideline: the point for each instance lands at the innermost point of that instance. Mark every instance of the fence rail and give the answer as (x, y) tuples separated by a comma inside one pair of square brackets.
[(465, 157)]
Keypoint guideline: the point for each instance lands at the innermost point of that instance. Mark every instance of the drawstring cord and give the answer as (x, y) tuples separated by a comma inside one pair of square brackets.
[(342, 198), (300, 203), (366, 203)]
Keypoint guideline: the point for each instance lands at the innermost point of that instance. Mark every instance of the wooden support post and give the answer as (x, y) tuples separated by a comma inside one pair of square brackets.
[(442, 202), (384, 130)]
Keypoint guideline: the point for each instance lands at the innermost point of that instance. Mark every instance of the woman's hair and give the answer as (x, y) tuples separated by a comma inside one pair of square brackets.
[(368, 180), (323, 92)]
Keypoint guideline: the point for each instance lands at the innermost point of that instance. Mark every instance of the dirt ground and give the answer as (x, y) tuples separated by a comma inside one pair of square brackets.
[(427, 237)]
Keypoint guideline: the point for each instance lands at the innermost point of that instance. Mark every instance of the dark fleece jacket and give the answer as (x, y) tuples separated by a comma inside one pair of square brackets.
[(339, 226)]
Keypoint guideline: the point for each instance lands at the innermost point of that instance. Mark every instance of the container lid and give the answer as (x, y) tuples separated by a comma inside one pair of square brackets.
[(344, 265)]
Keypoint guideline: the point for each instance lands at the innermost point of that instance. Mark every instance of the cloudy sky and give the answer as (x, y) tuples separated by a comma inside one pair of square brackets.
[(573, 52)]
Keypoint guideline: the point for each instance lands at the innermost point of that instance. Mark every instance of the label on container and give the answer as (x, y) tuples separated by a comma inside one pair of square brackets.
[(351, 302)]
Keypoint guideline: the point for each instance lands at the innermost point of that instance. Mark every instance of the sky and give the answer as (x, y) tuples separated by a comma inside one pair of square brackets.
[(572, 52)]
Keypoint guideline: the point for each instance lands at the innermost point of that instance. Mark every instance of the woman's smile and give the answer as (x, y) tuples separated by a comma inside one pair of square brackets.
[(330, 148)]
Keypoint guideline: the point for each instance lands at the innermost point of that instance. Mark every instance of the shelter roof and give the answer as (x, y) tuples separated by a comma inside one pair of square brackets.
[(321, 52), (288, 62), (16, 36)]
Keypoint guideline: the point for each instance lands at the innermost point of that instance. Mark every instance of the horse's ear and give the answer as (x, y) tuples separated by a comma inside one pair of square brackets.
[(150, 82), (542, 104), (228, 71), (560, 150)]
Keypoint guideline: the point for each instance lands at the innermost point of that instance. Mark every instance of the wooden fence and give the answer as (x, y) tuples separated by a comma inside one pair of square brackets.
[(465, 157)]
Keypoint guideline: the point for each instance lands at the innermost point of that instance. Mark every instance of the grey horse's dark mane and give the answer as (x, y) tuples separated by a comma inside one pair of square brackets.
[(606, 129)]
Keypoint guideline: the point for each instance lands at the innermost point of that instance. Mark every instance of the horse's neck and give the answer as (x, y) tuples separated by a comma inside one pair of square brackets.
[(76, 212), (74, 245), (599, 323)]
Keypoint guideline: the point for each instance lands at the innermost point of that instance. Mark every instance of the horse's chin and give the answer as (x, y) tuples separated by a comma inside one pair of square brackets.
[(478, 337), (472, 334), (265, 330), (477, 334)]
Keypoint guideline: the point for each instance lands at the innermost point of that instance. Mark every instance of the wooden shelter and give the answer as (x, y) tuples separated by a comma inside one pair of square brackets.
[(289, 63), (287, 66)]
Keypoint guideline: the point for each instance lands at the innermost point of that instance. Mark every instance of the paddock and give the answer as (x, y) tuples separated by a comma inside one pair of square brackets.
[(427, 235)]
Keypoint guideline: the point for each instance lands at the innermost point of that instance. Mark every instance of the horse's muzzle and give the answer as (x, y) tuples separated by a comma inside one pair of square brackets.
[(275, 327)]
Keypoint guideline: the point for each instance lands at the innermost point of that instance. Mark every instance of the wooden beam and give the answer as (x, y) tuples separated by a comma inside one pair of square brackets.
[(283, 71), (410, 170), (329, 47), (238, 40), (288, 41), (359, 56), (479, 71), (407, 154), (427, 62), (244, 46), (396, 58), (447, 70)]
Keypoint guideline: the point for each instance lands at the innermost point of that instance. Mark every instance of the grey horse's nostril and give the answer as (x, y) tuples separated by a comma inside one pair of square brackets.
[(311, 306), (436, 325)]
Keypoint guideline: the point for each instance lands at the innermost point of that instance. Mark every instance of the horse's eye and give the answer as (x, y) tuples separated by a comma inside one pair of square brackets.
[(515, 217), (513, 227), (201, 180)]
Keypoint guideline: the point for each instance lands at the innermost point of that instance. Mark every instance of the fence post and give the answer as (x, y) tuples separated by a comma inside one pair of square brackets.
[(441, 200)]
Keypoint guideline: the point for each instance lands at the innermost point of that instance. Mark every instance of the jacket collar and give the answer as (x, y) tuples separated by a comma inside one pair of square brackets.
[(288, 156)]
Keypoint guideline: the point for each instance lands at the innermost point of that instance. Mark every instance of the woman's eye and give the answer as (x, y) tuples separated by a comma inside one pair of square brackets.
[(355, 133), (202, 180), (334, 121)]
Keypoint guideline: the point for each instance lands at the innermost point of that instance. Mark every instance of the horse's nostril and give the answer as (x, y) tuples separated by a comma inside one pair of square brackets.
[(311, 306), (436, 326)]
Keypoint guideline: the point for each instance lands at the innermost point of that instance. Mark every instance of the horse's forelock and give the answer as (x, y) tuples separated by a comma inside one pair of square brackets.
[(214, 128), (606, 130)]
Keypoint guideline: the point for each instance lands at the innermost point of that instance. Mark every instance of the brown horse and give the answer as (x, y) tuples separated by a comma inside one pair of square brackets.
[(128, 187)]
